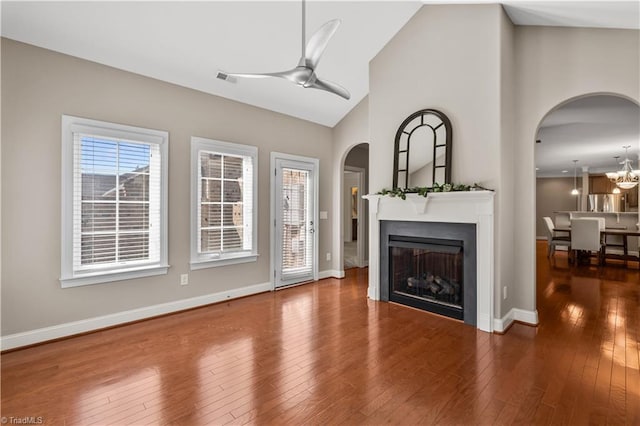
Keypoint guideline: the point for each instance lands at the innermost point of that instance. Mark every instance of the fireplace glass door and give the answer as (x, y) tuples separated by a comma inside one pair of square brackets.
[(427, 273)]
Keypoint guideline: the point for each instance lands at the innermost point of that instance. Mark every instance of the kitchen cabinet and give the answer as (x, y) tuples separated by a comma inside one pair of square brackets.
[(600, 185), (632, 197)]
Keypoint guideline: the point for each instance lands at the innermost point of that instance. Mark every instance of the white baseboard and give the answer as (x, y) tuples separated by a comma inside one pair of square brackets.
[(31, 337), (515, 314), (330, 273)]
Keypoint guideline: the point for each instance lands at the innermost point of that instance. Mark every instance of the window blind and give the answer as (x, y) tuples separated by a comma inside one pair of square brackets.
[(297, 241), (116, 202)]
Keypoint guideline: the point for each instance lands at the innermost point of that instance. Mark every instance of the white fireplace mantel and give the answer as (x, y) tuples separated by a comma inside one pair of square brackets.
[(475, 207)]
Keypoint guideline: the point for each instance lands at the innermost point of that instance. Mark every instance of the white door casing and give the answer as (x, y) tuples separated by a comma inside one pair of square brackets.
[(294, 219)]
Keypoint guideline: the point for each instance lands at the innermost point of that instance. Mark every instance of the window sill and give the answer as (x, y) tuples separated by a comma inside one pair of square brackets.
[(222, 261), (110, 276)]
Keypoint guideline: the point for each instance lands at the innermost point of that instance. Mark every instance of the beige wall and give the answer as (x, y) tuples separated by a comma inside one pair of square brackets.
[(495, 83), (38, 86), (552, 195), (553, 65), (352, 130), (427, 65), (505, 272), (450, 58)]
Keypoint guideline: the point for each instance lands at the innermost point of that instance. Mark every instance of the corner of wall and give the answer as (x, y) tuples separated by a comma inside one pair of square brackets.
[(352, 130)]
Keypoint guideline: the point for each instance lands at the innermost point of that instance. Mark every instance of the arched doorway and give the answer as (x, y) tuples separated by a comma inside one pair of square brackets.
[(354, 215), (576, 143)]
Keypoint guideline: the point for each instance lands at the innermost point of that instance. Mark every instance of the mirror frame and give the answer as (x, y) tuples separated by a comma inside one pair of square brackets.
[(444, 121)]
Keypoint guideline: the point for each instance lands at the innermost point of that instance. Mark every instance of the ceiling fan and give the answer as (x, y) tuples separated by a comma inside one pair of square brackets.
[(304, 74)]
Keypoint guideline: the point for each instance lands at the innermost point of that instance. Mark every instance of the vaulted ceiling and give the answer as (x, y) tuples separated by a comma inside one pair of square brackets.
[(186, 43)]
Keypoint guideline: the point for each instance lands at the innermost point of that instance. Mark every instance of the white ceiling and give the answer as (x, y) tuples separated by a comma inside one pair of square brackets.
[(186, 43), (575, 13)]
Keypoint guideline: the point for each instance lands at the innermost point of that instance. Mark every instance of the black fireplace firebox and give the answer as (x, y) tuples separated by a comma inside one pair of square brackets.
[(430, 266), (427, 273)]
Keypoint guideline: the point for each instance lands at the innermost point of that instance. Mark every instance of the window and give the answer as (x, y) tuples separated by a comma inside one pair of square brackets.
[(113, 202), (224, 197)]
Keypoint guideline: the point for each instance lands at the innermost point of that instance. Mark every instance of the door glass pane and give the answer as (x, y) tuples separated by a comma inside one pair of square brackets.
[(297, 239)]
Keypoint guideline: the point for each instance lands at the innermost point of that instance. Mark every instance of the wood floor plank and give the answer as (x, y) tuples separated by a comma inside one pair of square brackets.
[(322, 353)]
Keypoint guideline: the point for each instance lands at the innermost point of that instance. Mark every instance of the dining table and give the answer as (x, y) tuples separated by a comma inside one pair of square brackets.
[(622, 232)]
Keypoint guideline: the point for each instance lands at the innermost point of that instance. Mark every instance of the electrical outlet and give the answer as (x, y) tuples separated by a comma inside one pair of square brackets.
[(328, 257), (504, 292), (184, 279)]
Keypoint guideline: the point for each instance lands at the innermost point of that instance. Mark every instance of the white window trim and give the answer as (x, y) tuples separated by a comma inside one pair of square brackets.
[(71, 124), (202, 261)]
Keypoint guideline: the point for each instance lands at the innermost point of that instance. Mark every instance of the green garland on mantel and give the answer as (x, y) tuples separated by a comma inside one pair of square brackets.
[(425, 190)]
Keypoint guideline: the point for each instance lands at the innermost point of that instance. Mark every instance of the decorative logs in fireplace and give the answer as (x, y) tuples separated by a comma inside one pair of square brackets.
[(435, 287), (430, 266), (427, 273)]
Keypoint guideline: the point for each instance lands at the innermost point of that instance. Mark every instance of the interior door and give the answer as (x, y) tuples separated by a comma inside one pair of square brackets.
[(294, 212)]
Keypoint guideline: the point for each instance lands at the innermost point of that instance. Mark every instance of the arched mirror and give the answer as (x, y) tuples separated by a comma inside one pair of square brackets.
[(423, 150)]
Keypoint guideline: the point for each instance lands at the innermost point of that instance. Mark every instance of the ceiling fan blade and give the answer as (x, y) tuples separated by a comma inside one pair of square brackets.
[(318, 43), (248, 75), (330, 87), (298, 75)]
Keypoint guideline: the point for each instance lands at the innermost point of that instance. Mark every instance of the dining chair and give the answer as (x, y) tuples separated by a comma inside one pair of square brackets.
[(562, 221), (553, 239), (586, 236), (615, 245)]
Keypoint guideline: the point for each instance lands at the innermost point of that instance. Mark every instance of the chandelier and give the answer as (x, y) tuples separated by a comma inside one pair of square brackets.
[(626, 178)]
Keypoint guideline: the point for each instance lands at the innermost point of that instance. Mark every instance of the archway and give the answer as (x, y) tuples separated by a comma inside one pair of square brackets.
[(354, 212), (591, 128)]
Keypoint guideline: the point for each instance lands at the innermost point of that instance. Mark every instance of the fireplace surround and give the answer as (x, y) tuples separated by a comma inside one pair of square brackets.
[(472, 207)]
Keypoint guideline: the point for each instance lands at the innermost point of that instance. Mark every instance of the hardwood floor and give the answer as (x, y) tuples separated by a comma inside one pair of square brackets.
[(324, 354)]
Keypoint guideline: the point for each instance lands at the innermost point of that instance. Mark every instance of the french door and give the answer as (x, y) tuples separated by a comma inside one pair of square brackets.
[(294, 216)]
